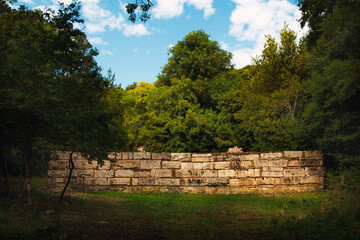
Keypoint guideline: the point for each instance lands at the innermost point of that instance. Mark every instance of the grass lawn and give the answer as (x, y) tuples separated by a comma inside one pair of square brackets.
[(110, 215)]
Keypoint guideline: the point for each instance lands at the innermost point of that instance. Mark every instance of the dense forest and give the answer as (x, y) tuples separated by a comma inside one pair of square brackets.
[(298, 94)]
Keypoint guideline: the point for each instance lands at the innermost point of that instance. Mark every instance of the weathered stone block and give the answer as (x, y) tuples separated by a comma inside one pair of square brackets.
[(184, 157), (187, 173), (246, 164), (201, 155), (161, 173), (105, 165), (208, 165), (191, 181), (215, 181), (241, 173), (60, 180), (120, 181), (111, 156), (90, 181), (58, 173), (317, 154), (61, 155), (171, 164), (226, 173), (220, 157), (201, 160), (104, 173), (124, 173), (169, 182), (134, 181), (242, 182), (58, 164), (287, 181), (293, 154), (312, 180), (97, 181), (161, 156), (147, 181), (86, 164), (249, 157), (294, 163), (189, 166), (278, 163), (125, 156), (209, 173), (273, 169), (142, 155), (222, 165), (294, 172), (309, 171), (254, 172), (272, 174), (126, 164), (150, 164), (233, 157), (311, 162), (271, 155), (261, 163), (265, 181), (142, 174), (83, 173)]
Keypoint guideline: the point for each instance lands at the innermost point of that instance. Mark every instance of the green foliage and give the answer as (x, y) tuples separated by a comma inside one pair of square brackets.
[(52, 95), (333, 112), (195, 57), (273, 99), (141, 6)]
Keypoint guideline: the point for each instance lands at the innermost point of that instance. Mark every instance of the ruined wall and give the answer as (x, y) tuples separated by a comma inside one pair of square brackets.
[(210, 173)]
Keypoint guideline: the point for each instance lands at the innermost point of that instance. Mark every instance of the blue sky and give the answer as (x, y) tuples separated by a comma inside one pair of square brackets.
[(137, 52)]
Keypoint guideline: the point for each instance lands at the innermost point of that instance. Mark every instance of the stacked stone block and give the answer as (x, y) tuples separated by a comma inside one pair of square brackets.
[(225, 173)]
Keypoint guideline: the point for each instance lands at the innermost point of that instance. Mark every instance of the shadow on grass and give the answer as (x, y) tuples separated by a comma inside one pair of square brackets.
[(109, 215)]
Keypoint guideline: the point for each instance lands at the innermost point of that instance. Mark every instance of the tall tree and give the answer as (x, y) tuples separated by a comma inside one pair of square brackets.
[(274, 97), (333, 112), (53, 96), (198, 58)]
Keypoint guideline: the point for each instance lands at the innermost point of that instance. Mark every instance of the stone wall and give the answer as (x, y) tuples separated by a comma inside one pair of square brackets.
[(209, 173)]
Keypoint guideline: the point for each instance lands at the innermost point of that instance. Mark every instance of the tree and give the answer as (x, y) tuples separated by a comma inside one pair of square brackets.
[(333, 113), (274, 98), (53, 96), (198, 58), (140, 6)]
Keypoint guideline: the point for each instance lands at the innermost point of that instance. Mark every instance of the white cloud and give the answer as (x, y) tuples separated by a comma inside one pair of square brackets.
[(166, 9), (98, 41), (135, 30), (106, 52), (205, 5), (224, 45), (31, 2), (252, 20), (148, 52), (99, 19)]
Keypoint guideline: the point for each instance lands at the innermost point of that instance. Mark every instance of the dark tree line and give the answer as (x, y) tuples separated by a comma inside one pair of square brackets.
[(52, 96)]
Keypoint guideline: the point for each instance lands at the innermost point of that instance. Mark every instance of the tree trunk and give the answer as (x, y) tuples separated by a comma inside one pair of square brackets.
[(71, 167), (28, 177), (7, 187), (22, 180)]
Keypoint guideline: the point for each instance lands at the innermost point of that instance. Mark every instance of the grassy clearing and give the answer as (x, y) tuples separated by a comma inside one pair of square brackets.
[(109, 215)]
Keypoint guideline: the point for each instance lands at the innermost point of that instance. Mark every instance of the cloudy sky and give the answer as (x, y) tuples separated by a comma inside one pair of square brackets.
[(137, 52)]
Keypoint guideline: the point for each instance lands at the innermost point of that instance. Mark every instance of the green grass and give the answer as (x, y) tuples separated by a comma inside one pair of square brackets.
[(111, 215)]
